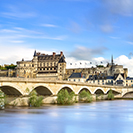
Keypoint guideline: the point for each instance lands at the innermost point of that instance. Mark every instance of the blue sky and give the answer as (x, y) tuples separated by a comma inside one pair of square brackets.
[(85, 30)]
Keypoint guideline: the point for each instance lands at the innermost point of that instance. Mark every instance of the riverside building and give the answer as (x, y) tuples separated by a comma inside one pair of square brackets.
[(42, 66)]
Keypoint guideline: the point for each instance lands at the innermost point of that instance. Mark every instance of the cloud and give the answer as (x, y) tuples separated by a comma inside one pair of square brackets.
[(113, 37), (121, 7), (18, 34), (126, 62), (121, 60), (130, 42), (15, 12), (49, 25), (75, 63), (84, 53), (106, 28), (11, 54)]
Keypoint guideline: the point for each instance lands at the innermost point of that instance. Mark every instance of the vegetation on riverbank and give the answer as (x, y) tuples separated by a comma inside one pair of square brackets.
[(2, 100), (6, 67), (65, 98), (34, 100), (85, 96), (110, 95)]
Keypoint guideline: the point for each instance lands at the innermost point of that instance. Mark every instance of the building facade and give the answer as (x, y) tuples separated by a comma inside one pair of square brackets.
[(77, 77), (43, 66), (109, 70)]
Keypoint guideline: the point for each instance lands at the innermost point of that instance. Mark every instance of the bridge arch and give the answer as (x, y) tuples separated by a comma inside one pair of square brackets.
[(128, 94), (86, 88), (99, 90), (68, 87), (113, 91), (42, 90), (11, 90)]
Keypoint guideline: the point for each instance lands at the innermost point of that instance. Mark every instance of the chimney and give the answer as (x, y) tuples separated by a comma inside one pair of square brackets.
[(38, 53), (43, 54), (54, 54), (61, 53)]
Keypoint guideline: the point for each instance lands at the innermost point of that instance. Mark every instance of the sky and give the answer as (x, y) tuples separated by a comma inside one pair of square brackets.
[(88, 32)]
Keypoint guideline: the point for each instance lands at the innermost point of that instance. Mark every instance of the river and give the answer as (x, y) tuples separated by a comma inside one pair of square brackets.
[(97, 117)]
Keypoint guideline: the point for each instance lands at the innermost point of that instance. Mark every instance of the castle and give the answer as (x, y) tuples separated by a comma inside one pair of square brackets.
[(43, 66), (53, 67)]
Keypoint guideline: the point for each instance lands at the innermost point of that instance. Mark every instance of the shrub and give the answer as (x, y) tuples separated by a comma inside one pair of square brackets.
[(110, 95), (85, 96), (2, 99), (65, 98), (34, 100)]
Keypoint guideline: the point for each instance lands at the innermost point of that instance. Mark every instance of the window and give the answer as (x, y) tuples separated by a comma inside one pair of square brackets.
[(74, 80), (24, 72), (79, 79)]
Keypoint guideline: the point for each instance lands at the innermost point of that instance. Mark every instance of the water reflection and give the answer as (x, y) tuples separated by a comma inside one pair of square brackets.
[(103, 117)]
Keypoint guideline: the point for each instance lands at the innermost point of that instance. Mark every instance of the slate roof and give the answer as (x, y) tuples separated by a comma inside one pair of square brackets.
[(116, 75), (119, 81), (49, 57), (56, 57), (110, 77), (101, 77), (129, 78), (76, 75), (62, 60)]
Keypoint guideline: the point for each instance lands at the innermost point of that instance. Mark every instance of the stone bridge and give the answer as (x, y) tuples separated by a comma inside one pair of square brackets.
[(24, 86)]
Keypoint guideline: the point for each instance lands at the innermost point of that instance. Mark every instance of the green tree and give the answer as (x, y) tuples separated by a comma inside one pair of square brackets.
[(85, 96), (2, 99), (110, 95), (34, 100), (65, 98)]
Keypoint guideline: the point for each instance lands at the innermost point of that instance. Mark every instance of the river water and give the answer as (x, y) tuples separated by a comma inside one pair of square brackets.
[(97, 117)]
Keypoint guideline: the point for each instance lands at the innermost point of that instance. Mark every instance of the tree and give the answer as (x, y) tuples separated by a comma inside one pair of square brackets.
[(85, 96), (34, 100), (64, 98), (110, 95)]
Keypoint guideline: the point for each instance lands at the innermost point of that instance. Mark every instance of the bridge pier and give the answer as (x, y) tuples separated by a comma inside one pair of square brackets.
[(24, 100)]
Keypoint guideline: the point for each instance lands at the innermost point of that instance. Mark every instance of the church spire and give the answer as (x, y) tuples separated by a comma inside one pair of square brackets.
[(35, 53), (112, 61)]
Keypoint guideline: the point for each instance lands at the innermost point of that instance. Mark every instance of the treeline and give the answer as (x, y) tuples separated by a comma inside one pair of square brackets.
[(6, 67), (66, 98)]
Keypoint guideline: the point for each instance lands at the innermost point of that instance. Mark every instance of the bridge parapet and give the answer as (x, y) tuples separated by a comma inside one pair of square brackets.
[(54, 86), (41, 80)]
